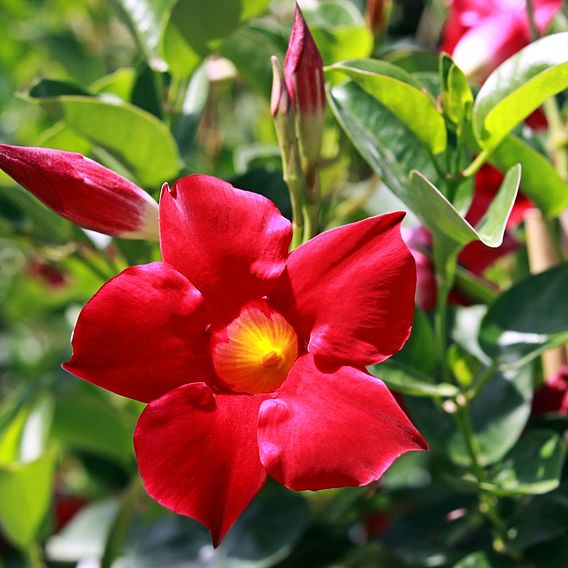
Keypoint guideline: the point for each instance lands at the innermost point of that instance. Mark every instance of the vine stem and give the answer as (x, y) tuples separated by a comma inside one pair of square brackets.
[(33, 556)]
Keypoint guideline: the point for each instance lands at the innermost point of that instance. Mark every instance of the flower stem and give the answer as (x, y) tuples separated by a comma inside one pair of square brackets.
[(33, 556), (445, 254)]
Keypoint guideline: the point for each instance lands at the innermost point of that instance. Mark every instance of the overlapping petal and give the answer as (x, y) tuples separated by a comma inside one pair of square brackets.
[(198, 454), (332, 430), (142, 334), (231, 244), (350, 291)]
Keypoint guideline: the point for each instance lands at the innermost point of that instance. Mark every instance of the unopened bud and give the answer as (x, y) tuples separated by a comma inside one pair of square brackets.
[(83, 191), (303, 72)]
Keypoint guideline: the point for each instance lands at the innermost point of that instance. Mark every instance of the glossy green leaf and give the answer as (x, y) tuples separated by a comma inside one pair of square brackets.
[(25, 495), (519, 86), (402, 95), (119, 83), (136, 138), (389, 147), (532, 467), (527, 318), (498, 414), (541, 181), (61, 137), (147, 19), (339, 30), (86, 420), (439, 215), (457, 98), (544, 519), (181, 59)]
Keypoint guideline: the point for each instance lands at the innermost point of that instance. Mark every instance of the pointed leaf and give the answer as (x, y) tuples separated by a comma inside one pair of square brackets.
[(519, 86), (527, 318), (388, 146), (541, 181), (138, 139), (402, 95), (532, 467), (147, 19), (457, 98), (439, 215)]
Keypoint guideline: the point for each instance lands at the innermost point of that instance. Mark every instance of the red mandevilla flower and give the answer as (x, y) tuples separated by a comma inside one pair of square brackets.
[(83, 191), (252, 359), (482, 34)]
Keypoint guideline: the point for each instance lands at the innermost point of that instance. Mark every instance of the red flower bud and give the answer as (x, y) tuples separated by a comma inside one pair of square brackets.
[(83, 191), (303, 72)]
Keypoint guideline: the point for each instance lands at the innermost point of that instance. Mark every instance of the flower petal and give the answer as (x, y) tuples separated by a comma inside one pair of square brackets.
[(350, 291), (142, 334), (332, 430), (198, 454), (232, 244)]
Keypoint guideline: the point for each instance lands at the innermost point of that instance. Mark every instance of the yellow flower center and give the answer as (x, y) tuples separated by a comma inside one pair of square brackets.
[(255, 352)]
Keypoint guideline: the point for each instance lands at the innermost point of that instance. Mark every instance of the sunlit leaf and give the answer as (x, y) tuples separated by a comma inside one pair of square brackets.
[(519, 86)]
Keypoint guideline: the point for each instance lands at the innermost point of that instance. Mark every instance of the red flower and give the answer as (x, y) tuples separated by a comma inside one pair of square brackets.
[(83, 191), (553, 395), (252, 359), (482, 34)]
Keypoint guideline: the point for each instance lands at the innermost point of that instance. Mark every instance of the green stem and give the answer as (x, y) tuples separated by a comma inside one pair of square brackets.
[(34, 556), (475, 166), (532, 23), (121, 525), (487, 503), (445, 254), (92, 266)]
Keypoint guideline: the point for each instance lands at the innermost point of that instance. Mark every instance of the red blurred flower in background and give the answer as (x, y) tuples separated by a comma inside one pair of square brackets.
[(476, 257), (553, 395), (482, 34), (252, 359)]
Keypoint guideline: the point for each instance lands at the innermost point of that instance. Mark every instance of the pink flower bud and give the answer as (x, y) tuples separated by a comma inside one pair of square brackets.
[(303, 72), (83, 191)]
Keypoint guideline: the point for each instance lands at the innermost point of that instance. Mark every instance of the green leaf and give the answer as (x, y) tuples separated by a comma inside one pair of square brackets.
[(457, 98), (499, 413), (440, 216), (545, 518), (541, 181), (204, 24), (25, 495), (267, 530), (146, 19), (61, 137), (182, 60), (402, 95), (532, 467), (135, 137), (339, 30), (250, 48), (389, 146), (408, 380), (519, 86), (86, 420), (474, 560), (119, 83), (527, 318)]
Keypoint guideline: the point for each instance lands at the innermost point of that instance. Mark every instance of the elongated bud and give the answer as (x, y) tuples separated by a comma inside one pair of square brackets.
[(303, 71), (377, 16), (83, 191)]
